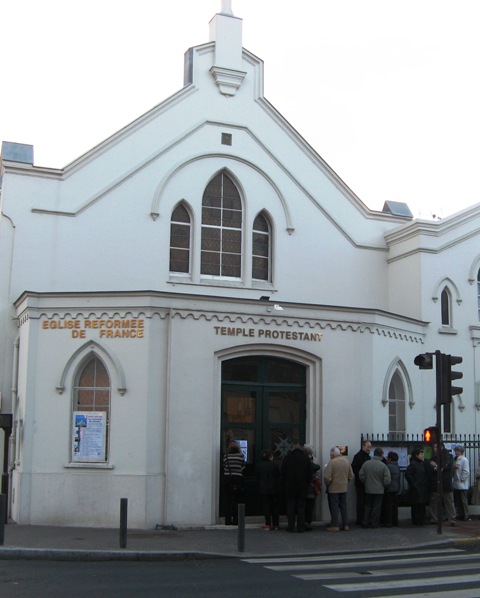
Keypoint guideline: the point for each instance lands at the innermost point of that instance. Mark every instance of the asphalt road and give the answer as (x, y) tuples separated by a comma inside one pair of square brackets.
[(446, 573), (225, 578)]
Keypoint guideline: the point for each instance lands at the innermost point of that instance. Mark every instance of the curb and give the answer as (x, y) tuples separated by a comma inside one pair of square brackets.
[(54, 554)]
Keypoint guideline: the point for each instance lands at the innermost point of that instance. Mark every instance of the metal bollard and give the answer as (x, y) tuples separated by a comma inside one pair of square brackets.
[(241, 527), (3, 514), (123, 522)]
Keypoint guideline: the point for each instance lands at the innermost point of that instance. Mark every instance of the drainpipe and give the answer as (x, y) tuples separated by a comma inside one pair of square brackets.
[(12, 449)]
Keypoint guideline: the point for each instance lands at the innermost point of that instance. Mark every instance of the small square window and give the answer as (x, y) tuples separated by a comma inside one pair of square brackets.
[(226, 139)]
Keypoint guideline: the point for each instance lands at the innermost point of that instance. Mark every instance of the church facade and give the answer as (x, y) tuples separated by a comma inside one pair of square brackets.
[(201, 276)]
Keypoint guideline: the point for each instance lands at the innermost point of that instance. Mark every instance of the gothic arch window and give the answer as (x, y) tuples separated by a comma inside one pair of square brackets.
[(222, 218), (180, 240), (478, 293), (396, 405), (445, 307), (91, 406), (261, 248)]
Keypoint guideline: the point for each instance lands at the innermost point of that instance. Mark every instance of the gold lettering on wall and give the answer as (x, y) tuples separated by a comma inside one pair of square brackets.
[(107, 328), (268, 333)]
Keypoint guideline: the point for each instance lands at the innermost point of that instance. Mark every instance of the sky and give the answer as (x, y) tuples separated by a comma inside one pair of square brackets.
[(386, 91)]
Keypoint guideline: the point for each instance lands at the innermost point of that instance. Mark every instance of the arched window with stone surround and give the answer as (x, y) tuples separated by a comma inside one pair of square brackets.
[(91, 406), (261, 248), (445, 306), (222, 219), (180, 239), (478, 293), (396, 405)]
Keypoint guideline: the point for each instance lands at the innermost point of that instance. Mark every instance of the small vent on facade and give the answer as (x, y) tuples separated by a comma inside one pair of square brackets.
[(226, 139)]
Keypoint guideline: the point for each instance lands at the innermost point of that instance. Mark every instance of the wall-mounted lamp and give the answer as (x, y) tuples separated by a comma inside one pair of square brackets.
[(276, 307)]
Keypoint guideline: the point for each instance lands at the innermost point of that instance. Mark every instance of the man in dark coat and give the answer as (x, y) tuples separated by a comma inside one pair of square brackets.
[(296, 472), (417, 479), (447, 483), (358, 460), (268, 477)]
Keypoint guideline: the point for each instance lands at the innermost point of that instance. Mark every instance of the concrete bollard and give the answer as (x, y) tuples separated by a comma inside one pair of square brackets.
[(3, 516), (241, 527), (123, 522)]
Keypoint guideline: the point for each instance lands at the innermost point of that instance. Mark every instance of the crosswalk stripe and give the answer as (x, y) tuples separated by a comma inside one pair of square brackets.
[(468, 593), (385, 572), (403, 583), (350, 556), (378, 563)]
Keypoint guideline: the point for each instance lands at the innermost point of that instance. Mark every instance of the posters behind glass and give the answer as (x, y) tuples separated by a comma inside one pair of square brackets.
[(89, 434)]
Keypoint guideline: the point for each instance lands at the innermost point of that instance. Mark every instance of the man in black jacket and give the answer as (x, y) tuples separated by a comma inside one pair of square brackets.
[(296, 474), (359, 459), (447, 484)]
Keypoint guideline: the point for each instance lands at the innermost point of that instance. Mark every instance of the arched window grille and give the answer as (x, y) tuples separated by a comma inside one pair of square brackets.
[(478, 294), (91, 393), (396, 404), (180, 234), (221, 251), (445, 307), (261, 248)]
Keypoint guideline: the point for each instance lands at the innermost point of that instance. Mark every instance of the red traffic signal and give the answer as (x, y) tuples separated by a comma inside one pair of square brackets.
[(431, 435)]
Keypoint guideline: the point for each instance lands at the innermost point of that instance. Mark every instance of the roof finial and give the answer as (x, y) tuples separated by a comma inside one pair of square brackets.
[(227, 7)]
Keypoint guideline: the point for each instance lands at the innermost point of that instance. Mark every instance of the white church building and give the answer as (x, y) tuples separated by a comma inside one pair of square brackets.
[(204, 275)]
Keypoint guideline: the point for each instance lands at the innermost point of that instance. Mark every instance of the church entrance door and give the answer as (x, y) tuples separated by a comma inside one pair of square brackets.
[(263, 407)]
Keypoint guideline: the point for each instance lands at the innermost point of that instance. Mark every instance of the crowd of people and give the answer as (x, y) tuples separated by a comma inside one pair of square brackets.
[(377, 482), (441, 475)]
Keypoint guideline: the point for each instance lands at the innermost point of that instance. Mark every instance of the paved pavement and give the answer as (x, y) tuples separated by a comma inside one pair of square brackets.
[(69, 543)]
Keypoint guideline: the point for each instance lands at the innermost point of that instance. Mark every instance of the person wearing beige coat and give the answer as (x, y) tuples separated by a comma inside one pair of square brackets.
[(337, 474)]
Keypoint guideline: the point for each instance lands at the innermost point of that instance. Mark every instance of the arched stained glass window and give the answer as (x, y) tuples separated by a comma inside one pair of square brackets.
[(396, 405), (91, 393), (221, 252), (261, 248), (478, 294), (180, 233), (445, 307)]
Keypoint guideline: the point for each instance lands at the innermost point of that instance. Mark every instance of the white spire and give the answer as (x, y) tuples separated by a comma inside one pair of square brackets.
[(227, 7), (226, 32)]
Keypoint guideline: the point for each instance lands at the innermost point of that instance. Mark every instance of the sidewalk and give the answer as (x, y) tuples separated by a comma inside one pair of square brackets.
[(67, 543)]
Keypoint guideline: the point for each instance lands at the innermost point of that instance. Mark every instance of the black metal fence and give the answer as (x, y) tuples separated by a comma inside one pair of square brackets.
[(407, 442)]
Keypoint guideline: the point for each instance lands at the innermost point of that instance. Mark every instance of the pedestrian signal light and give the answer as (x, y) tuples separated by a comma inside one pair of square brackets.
[(431, 435)]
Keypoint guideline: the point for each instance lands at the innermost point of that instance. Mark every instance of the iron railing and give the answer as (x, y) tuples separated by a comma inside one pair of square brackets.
[(471, 442)]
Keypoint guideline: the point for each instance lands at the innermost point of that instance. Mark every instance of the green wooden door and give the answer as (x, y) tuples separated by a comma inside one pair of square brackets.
[(263, 407)]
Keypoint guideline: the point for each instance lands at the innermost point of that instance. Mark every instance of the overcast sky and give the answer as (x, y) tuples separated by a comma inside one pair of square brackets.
[(387, 92)]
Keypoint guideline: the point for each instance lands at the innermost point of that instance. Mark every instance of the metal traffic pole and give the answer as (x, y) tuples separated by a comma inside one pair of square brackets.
[(438, 408)]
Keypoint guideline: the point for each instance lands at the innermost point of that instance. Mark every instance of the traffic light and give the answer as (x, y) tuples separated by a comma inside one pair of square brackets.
[(432, 435), (424, 361), (448, 375)]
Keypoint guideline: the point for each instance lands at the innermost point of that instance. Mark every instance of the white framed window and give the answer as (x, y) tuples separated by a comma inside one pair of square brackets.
[(91, 407), (445, 307), (180, 240), (478, 294), (261, 248), (221, 237), (396, 404)]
